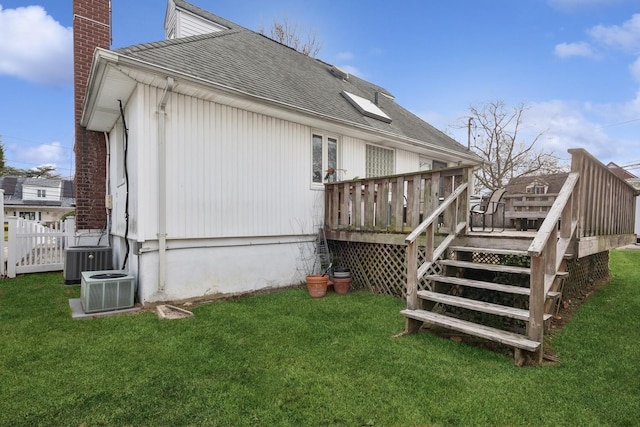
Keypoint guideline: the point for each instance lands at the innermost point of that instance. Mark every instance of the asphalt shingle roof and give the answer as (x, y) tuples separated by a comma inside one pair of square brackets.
[(554, 181), (13, 185), (244, 60)]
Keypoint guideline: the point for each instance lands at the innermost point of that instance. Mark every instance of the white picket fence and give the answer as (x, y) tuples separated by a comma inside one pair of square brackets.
[(33, 247)]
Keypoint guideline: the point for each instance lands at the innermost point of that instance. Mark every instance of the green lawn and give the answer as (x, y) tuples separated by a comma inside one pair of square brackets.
[(285, 359)]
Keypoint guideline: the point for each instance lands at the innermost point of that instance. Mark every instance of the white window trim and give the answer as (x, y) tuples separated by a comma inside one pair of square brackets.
[(325, 156)]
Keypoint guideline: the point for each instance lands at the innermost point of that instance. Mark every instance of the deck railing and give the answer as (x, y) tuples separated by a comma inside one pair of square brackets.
[(596, 207), (392, 204), (607, 202), (456, 208), (548, 250)]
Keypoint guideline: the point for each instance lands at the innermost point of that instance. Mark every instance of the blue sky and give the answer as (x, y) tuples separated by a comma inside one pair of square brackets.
[(574, 63)]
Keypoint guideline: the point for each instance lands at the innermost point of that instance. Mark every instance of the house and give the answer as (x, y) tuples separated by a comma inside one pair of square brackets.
[(529, 198), (538, 184), (219, 142), (41, 199)]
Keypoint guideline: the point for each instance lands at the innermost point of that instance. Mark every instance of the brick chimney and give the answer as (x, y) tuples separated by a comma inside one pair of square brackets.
[(91, 29)]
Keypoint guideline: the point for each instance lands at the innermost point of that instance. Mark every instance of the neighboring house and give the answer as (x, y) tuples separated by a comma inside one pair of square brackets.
[(529, 198), (635, 182), (540, 184), (219, 145), (40, 199)]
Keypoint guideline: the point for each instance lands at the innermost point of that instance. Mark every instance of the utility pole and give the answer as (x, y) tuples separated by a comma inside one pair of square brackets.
[(469, 133)]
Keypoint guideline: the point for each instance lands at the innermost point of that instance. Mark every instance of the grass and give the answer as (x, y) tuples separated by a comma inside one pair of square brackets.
[(285, 359)]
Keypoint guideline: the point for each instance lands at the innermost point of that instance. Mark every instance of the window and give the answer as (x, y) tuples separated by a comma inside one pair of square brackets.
[(28, 215), (366, 107), (536, 188), (42, 193), (325, 158), (380, 161), (439, 165), (424, 163)]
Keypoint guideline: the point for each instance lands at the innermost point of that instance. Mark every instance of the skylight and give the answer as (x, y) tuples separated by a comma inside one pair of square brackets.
[(366, 107)]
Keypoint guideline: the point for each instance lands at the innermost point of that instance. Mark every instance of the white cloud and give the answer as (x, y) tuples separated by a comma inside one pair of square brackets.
[(52, 154), (344, 56), (564, 125), (568, 125), (635, 69), (625, 36), (35, 47), (566, 50)]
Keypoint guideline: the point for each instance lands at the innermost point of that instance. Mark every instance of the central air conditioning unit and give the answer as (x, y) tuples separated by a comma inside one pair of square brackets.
[(106, 290), (85, 258)]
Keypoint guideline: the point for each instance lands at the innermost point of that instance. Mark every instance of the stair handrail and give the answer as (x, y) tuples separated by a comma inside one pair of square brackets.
[(458, 201), (548, 249)]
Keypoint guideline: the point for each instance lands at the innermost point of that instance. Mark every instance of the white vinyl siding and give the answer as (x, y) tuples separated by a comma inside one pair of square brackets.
[(30, 192), (230, 172), (182, 23)]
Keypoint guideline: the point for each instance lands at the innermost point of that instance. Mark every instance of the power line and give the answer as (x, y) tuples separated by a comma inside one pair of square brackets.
[(618, 124), (635, 163), (52, 144)]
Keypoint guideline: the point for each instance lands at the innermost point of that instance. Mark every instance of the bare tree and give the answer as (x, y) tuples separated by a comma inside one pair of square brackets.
[(499, 142), (289, 34)]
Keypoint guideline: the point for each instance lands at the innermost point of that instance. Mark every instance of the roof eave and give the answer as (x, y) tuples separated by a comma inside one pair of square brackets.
[(105, 87), (104, 58)]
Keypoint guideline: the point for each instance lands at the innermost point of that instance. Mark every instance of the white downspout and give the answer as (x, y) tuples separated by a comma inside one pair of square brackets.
[(162, 188)]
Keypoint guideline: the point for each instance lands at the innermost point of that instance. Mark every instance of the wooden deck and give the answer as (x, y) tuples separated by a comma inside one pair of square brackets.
[(414, 228)]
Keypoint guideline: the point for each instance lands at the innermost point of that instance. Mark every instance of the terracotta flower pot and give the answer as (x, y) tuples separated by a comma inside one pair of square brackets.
[(341, 284), (317, 285)]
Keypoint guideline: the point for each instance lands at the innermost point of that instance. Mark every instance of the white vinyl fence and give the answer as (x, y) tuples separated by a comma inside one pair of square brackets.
[(33, 247)]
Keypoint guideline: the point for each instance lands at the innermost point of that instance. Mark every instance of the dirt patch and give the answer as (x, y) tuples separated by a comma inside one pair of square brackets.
[(170, 312)]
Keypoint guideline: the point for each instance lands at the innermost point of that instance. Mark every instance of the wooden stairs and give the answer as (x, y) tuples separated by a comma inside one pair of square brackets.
[(478, 288)]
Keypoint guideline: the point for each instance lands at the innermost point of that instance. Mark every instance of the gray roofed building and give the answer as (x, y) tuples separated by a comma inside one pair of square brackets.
[(21, 197)]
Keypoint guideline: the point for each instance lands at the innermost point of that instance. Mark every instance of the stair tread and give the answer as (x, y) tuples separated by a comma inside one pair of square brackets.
[(489, 250), (472, 283), (480, 284), (485, 307), (493, 334), (489, 267)]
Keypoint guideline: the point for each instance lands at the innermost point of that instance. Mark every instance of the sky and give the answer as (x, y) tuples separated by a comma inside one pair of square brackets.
[(573, 64)]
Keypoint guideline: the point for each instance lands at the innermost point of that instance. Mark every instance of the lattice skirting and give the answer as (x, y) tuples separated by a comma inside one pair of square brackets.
[(583, 272), (380, 268)]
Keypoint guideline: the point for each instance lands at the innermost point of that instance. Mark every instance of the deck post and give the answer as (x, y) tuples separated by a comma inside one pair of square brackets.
[(535, 329), (412, 325)]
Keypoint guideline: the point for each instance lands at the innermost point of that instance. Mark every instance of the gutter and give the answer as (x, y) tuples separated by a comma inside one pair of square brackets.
[(162, 186)]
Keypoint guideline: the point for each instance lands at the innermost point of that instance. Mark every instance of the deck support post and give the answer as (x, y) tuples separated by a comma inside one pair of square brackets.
[(412, 325), (535, 329)]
